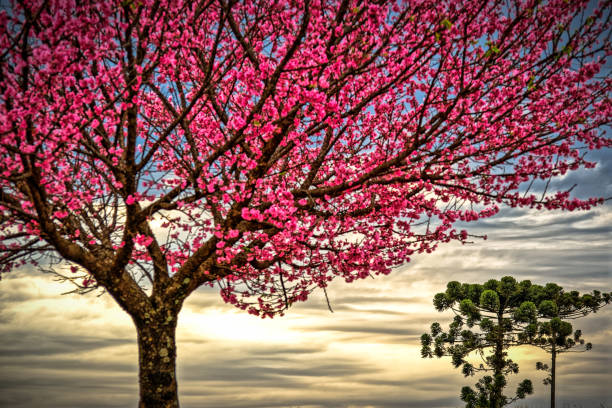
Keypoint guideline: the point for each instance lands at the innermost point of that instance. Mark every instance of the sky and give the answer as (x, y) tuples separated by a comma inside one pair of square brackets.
[(71, 351), (80, 351)]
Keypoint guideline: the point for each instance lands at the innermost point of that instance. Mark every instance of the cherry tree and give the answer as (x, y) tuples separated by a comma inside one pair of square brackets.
[(150, 147)]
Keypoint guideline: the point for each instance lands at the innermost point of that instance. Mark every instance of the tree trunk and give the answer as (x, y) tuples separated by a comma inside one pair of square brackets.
[(552, 375), (498, 364), (157, 362)]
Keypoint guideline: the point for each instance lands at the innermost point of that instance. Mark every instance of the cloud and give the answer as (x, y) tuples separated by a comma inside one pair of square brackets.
[(27, 343), (72, 351)]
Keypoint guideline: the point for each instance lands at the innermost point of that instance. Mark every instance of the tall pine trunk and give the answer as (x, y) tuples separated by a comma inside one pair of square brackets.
[(552, 375), (498, 365), (157, 361)]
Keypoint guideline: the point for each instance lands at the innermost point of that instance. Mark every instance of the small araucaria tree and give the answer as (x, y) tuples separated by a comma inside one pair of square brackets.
[(156, 146), (554, 333), (489, 319)]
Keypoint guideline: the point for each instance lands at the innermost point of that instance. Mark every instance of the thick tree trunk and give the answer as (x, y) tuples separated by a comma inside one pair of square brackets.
[(553, 367), (157, 363)]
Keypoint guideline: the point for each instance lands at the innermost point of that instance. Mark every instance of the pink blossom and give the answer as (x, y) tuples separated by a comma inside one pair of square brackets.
[(266, 160), (60, 214)]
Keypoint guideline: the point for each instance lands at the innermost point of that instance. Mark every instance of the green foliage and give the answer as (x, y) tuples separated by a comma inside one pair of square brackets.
[(489, 300), (484, 394), (548, 308), (526, 312), (441, 302), (525, 388), (493, 49), (554, 332), (556, 335), (499, 314), (488, 319)]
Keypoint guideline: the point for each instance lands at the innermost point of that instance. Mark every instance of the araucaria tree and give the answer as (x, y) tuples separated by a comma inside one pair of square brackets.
[(489, 319), (554, 333), (267, 147)]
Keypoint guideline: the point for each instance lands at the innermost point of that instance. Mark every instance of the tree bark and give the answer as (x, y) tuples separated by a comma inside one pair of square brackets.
[(498, 364), (552, 375), (157, 362)]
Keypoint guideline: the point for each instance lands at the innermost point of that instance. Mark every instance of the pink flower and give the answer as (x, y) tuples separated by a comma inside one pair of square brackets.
[(143, 240), (60, 214)]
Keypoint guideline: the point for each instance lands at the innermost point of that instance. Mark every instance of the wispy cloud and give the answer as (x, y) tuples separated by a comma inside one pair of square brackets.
[(71, 351)]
